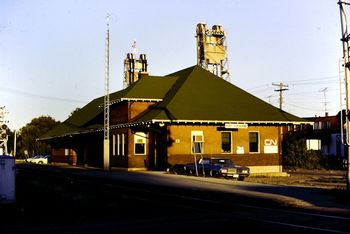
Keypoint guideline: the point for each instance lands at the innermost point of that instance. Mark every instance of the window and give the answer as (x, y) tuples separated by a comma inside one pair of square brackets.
[(197, 140), (313, 144), (124, 145), (253, 142), (226, 142), (120, 144), (140, 143), (114, 144)]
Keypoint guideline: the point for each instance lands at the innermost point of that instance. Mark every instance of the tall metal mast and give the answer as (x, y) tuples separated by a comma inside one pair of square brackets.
[(3, 132), (345, 41), (106, 155)]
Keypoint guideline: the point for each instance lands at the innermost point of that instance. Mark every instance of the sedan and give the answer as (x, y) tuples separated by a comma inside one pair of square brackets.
[(39, 159)]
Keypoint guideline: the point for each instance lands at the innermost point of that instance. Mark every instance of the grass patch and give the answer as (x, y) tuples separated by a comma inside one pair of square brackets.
[(334, 180)]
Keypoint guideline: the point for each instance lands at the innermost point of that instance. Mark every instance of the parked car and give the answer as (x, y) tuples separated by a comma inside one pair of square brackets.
[(214, 167), (177, 169), (40, 159)]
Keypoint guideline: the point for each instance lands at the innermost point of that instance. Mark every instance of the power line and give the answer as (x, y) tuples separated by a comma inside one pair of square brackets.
[(312, 81), (10, 90), (303, 107)]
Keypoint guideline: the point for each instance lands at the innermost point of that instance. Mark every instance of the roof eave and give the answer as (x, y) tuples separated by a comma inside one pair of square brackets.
[(136, 100), (73, 133), (138, 123)]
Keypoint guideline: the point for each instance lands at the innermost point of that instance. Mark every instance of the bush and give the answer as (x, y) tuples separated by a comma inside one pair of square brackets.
[(295, 155)]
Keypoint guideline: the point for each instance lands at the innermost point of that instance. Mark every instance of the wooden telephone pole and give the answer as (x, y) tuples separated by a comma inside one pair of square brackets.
[(282, 87)]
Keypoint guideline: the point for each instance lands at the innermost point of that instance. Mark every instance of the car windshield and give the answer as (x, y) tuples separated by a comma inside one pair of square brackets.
[(203, 161), (222, 161)]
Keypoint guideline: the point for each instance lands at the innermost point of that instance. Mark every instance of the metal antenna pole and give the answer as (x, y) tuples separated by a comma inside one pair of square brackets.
[(106, 155), (324, 90), (3, 131), (345, 41)]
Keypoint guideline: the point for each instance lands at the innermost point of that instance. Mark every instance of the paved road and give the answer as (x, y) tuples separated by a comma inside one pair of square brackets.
[(75, 200), (302, 197)]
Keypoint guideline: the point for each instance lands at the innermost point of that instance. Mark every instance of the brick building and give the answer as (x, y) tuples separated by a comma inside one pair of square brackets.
[(330, 133), (160, 121)]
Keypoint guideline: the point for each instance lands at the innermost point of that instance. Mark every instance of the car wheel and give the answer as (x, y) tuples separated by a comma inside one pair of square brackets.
[(213, 173), (241, 178), (40, 162)]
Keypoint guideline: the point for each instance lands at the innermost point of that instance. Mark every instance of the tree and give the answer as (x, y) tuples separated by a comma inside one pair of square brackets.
[(31, 132), (296, 155)]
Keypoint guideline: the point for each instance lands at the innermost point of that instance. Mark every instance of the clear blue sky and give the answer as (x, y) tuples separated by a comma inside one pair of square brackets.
[(52, 51)]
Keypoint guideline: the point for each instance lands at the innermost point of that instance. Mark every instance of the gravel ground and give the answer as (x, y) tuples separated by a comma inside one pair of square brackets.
[(310, 178)]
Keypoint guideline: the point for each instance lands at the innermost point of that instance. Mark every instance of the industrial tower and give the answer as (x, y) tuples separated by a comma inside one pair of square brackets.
[(134, 67), (212, 50)]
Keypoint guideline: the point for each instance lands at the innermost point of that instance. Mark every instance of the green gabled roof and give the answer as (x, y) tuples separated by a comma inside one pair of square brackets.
[(91, 110), (190, 95), (147, 88), (199, 95)]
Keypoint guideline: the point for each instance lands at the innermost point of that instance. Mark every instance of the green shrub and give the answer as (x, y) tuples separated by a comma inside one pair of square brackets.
[(296, 155)]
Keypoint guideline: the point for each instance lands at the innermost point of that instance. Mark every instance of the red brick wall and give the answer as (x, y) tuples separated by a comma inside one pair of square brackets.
[(180, 150)]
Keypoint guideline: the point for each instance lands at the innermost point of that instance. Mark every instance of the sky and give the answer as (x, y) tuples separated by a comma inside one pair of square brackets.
[(52, 52)]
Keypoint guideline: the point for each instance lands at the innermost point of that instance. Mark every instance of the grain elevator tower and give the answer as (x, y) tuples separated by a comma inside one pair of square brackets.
[(212, 50)]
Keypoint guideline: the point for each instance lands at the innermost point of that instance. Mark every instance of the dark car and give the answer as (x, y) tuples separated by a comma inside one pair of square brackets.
[(214, 167), (177, 169), (229, 169)]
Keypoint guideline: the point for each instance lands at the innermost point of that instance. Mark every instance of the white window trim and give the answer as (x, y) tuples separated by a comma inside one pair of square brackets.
[(197, 133), (140, 135)]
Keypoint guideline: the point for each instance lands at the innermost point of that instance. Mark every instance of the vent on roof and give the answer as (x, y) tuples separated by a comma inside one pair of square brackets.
[(134, 68)]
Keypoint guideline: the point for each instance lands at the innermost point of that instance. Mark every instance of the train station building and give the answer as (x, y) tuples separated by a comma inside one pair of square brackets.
[(159, 121)]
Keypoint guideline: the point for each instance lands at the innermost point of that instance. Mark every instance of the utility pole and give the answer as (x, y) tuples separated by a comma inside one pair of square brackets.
[(282, 87), (345, 42), (269, 97), (106, 153)]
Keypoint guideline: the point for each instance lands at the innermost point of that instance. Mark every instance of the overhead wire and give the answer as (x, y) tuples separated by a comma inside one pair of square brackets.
[(23, 93)]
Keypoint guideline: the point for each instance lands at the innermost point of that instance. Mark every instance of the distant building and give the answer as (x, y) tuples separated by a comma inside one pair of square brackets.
[(328, 130), (161, 121)]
